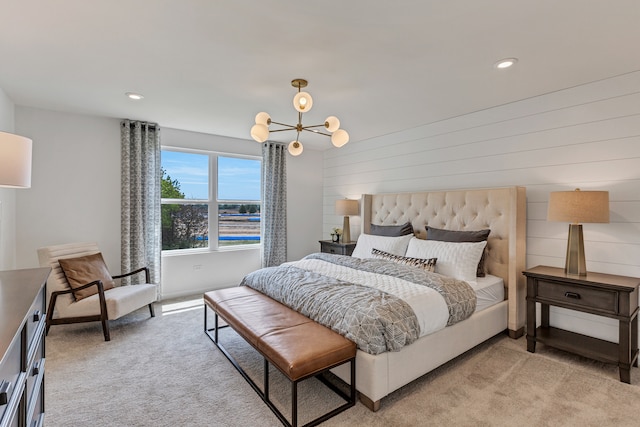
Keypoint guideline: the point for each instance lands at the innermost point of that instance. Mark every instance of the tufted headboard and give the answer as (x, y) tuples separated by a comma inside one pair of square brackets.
[(502, 210)]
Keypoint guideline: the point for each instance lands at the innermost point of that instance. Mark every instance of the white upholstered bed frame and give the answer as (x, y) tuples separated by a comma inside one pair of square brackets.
[(503, 210)]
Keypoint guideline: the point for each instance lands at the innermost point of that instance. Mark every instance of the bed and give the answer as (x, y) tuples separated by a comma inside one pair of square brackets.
[(500, 210)]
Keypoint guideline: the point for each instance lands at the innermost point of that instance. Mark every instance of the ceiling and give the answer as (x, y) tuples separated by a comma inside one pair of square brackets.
[(210, 66)]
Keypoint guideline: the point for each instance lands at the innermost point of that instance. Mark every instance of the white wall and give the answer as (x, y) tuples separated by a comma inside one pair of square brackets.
[(75, 184), (587, 137), (7, 195), (75, 196)]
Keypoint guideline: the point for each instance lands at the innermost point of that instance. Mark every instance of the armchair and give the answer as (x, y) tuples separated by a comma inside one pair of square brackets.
[(95, 300)]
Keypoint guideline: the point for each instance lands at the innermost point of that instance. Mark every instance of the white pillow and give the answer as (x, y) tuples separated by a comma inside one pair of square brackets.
[(455, 259), (393, 245)]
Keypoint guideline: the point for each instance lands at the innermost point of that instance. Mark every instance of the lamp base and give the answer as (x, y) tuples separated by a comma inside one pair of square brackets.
[(576, 262), (346, 230)]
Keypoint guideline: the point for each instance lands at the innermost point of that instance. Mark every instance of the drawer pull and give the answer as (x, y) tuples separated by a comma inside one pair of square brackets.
[(36, 368), (573, 295), (4, 392), (36, 316)]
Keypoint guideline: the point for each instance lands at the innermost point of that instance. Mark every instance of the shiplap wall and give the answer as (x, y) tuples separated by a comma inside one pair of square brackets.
[(586, 136)]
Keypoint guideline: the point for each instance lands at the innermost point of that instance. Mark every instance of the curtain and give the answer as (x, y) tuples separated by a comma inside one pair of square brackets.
[(140, 198), (274, 204)]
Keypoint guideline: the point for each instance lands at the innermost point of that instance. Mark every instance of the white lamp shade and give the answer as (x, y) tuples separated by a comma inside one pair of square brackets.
[(339, 138), (263, 118), (260, 132), (295, 148), (302, 102), (346, 207), (15, 161), (332, 123)]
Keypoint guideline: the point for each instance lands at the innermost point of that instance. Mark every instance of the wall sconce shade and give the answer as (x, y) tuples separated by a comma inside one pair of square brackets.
[(346, 207), (577, 207), (15, 161)]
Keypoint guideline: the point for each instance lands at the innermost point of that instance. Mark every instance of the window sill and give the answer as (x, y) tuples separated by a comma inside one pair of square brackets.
[(183, 252)]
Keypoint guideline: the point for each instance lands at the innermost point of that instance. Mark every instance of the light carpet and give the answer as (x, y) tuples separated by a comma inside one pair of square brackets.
[(164, 371)]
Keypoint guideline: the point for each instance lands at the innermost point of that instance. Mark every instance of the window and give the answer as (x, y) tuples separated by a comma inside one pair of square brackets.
[(204, 191)]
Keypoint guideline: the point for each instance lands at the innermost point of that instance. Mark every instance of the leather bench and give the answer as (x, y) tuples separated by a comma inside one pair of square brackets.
[(296, 345)]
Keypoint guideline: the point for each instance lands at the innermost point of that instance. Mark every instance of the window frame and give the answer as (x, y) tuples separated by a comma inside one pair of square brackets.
[(213, 202)]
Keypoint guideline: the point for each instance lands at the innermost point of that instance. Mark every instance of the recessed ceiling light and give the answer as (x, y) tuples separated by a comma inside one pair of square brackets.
[(505, 63), (133, 95)]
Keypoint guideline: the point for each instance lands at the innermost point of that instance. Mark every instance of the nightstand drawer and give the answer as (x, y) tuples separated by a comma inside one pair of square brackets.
[(562, 294), (330, 247)]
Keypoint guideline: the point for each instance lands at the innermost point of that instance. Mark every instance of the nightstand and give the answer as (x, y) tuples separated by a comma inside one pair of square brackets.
[(337, 248), (596, 293)]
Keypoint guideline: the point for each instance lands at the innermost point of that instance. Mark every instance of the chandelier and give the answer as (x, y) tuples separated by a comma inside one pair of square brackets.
[(302, 102)]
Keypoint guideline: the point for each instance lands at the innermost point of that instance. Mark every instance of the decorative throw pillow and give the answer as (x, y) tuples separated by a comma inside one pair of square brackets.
[(394, 245), (461, 236), (86, 269), (392, 230), (458, 260), (427, 264)]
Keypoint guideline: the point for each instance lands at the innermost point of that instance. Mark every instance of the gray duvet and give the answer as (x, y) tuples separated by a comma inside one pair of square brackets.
[(375, 320)]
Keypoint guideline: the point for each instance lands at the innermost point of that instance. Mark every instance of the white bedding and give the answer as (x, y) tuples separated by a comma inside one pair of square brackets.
[(428, 305), (489, 291)]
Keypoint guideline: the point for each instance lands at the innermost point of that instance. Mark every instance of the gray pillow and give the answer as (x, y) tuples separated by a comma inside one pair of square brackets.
[(392, 230), (461, 236)]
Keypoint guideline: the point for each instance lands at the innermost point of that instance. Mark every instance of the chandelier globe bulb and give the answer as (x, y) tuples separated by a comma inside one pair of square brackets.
[(339, 138), (295, 148), (332, 123), (302, 102), (259, 132), (263, 118)]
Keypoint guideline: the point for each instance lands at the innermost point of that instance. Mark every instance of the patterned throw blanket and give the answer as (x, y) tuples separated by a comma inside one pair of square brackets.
[(375, 320)]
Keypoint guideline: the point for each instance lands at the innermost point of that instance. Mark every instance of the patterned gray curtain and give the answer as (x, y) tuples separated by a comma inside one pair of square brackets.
[(140, 198), (274, 204)]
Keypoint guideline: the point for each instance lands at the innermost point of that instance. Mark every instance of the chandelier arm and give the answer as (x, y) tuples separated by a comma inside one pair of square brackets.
[(313, 126), (283, 124), (317, 132), (282, 130)]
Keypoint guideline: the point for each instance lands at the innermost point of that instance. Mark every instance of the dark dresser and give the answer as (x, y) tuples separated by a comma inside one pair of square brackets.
[(22, 326)]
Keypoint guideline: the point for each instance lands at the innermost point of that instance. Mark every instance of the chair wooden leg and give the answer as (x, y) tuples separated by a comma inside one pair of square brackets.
[(153, 314), (105, 329), (104, 315)]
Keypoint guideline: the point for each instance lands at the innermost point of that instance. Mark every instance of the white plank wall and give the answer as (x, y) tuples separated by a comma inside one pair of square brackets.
[(586, 136)]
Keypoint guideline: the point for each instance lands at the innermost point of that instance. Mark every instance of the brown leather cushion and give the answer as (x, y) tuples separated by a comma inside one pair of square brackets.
[(306, 349), (86, 269), (295, 344)]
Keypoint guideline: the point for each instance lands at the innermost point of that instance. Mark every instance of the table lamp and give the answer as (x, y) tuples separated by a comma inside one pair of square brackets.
[(346, 207), (578, 207)]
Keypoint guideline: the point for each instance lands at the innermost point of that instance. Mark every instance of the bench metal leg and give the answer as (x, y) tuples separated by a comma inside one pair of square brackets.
[(294, 404), (350, 399)]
